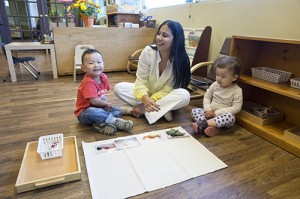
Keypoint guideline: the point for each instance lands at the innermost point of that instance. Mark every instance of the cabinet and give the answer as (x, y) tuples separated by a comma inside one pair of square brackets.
[(115, 18), (115, 44), (281, 54)]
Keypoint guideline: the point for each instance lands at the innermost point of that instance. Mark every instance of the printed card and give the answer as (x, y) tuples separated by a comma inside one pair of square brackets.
[(127, 143), (104, 148)]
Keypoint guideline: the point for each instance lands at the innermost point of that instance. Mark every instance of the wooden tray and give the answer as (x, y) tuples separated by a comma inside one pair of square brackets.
[(246, 113), (36, 173), (292, 134), (260, 121)]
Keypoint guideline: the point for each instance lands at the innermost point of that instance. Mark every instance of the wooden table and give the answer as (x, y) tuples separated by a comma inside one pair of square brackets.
[(28, 46)]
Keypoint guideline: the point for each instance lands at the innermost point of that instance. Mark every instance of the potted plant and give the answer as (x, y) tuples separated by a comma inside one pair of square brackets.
[(86, 9)]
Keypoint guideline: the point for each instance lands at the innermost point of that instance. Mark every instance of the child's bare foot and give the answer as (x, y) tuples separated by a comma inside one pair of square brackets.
[(138, 110), (195, 127), (211, 131)]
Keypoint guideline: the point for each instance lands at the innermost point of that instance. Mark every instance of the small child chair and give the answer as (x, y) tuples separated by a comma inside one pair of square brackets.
[(79, 49), (22, 61)]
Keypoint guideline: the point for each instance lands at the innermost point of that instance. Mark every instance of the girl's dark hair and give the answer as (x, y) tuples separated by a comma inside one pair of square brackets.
[(231, 63), (178, 55), (89, 51)]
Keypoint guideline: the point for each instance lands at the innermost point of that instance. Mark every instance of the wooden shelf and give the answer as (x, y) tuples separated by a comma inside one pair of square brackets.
[(281, 54), (114, 19), (282, 89), (274, 133)]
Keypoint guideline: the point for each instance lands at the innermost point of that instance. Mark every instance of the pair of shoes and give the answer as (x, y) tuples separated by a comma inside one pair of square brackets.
[(126, 109), (121, 124), (211, 131), (168, 116), (105, 129)]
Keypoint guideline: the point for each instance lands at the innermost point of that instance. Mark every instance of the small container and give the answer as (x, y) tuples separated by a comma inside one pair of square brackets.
[(295, 82), (51, 146), (270, 74)]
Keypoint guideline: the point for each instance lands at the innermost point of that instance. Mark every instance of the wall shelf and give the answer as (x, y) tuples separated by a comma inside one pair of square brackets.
[(282, 89)]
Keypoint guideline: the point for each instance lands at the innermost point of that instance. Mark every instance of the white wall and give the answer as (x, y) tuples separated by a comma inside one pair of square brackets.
[(263, 18)]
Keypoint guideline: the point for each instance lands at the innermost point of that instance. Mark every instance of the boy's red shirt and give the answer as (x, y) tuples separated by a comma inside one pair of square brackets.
[(89, 88)]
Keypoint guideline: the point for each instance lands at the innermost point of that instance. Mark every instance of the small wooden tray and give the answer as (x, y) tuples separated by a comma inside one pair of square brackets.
[(246, 113), (260, 121), (292, 134), (36, 173)]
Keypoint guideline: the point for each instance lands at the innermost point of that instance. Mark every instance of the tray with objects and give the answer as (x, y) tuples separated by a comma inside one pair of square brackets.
[(36, 172)]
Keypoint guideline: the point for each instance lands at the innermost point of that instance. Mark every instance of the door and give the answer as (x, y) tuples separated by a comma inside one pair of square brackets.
[(21, 19), (29, 20)]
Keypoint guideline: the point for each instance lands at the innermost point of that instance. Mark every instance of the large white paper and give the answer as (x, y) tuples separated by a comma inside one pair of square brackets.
[(155, 163)]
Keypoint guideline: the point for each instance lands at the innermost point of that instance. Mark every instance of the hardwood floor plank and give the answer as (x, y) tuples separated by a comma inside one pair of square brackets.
[(32, 108)]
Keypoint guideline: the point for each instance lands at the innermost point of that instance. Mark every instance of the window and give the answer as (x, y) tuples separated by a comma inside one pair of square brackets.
[(159, 3), (148, 4)]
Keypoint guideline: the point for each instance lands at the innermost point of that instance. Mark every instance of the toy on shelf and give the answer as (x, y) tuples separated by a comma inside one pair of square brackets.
[(264, 112)]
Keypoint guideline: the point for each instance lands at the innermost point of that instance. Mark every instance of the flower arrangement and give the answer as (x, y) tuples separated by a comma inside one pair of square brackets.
[(85, 7)]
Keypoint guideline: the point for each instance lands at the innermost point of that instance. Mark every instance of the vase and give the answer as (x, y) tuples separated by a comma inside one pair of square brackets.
[(87, 21)]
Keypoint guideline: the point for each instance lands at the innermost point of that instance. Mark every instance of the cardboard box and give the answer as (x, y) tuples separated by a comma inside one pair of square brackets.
[(127, 25), (135, 25)]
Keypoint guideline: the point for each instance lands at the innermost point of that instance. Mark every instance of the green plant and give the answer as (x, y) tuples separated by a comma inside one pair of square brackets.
[(85, 7)]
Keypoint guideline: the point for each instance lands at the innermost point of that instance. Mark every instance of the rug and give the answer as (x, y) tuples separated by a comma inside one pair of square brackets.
[(131, 165)]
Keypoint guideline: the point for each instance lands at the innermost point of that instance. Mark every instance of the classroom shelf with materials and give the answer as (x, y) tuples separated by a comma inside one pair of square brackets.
[(279, 54), (117, 17)]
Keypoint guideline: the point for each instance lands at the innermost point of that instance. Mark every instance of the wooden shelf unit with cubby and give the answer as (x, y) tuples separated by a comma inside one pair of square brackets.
[(115, 18), (280, 54)]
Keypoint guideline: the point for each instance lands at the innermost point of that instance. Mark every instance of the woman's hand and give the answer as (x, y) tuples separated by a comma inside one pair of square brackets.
[(150, 104)]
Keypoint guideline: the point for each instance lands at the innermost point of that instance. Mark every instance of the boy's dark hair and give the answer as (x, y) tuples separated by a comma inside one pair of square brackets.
[(89, 51), (231, 63)]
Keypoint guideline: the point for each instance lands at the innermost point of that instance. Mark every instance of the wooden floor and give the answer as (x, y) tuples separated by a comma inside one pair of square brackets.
[(30, 109)]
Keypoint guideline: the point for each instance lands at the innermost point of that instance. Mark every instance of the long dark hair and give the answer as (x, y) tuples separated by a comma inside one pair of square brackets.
[(178, 55)]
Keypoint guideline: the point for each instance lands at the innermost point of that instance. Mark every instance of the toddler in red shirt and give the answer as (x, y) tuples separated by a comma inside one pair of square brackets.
[(92, 107)]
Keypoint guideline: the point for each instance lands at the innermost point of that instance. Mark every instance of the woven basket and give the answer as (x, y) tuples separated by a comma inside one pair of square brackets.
[(270, 74), (295, 82)]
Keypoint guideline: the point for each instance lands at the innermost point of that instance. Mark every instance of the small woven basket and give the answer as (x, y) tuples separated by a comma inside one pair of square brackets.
[(270, 74), (295, 82)]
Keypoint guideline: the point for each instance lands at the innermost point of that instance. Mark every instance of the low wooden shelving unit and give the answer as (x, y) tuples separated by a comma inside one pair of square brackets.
[(280, 54)]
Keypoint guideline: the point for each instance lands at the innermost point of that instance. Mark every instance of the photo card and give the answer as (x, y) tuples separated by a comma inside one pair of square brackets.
[(104, 148), (125, 143), (151, 137)]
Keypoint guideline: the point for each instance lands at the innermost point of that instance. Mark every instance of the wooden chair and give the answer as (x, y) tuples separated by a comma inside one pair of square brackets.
[(133, 60), (79, 49), (200, 55), (200, 83)]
